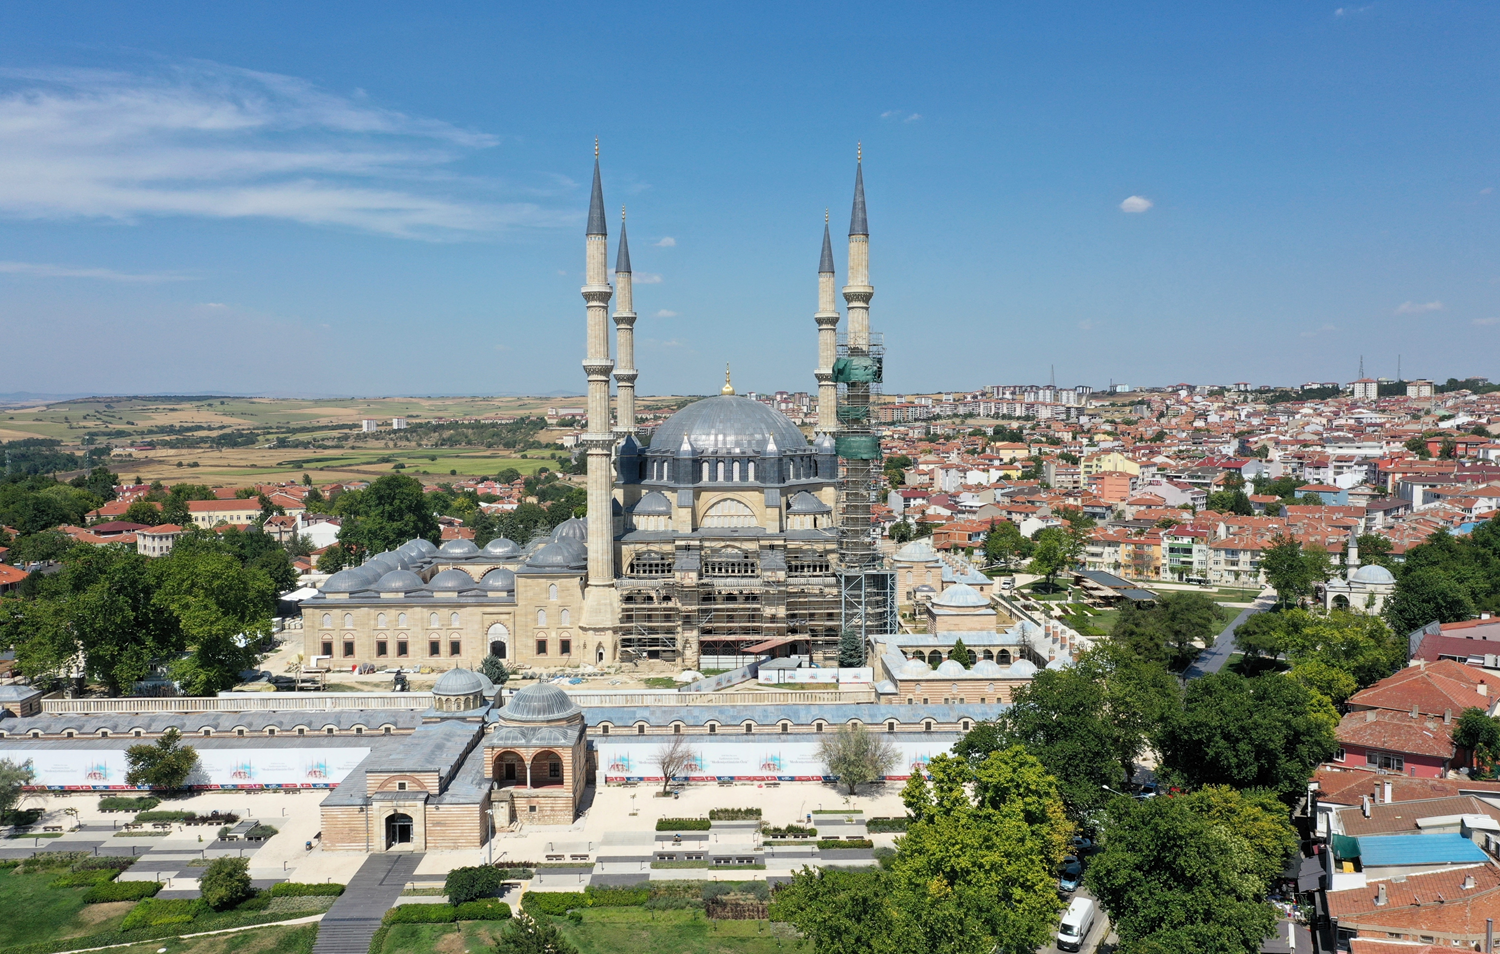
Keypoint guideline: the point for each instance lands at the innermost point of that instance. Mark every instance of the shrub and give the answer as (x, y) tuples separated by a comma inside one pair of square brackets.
[(835, 844), (789, 830), (420, 914), (489, 909), (224, 832), (748, 890), (886, 824), (103, 861), (85, 879), (662, 890), (734, 814), (225, 883), (682, 824), (44, 860), (120, 803), (516, 874), (297, 889), (260, 832), (471, 884), (163, 816), (555, 903), (884, 856), (377, 940), (154, 912), (120, 891), (607, 897)]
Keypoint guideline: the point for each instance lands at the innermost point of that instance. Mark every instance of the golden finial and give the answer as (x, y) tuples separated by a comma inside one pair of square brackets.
[(859, 151), (728, 388), (596, 147)]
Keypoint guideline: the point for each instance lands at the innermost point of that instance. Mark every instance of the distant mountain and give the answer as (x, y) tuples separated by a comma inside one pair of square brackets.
[(31, 397)]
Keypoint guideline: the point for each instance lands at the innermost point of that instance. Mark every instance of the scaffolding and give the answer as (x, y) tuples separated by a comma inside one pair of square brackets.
[(867, 591)]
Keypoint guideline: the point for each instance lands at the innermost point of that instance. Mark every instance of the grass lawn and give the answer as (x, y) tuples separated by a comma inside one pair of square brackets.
[(603, 931), (272, 940), (35, 912)]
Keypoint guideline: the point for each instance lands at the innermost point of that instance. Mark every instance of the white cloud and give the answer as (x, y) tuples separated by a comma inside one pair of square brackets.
[(900, 116), (665, 313), (203, 139), (1318, 331), (667, 241), (1418, 307), (912, 118), (214, 304), (40, 270), (1486, 321), (647, 278), (1350, 11), (1136, 203)]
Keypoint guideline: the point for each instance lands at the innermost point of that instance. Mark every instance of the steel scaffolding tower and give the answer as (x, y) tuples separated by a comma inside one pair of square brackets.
[(867, 590)]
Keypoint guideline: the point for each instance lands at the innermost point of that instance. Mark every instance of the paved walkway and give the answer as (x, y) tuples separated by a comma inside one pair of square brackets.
[(355, 916), (1214, 657)]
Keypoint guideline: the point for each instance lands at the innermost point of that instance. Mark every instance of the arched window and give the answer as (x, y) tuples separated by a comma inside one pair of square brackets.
[(736, 472), (552, 592), (453, 619), (348, 620), (564, 621), (720, 471), (499, 639), (705, 470), (401, 619), (432, 619), (541, 617), (729, 513), (327, 620), (380, 621), (750, 470)]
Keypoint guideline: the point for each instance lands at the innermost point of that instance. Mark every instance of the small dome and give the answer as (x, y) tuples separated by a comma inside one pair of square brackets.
[(987, 667), (917, 551), (349, 581), (501, 547), (382, 563), (425, 547), (459, 682), (1372, 573), (458, 548), (925, 588), (1022, 669), (1061, 662), (950, 667), (500, 578), (451, 580), (398, 581), (915, 667), (559, 555), (654, 504), (804, 502), (542, 702), (962, 595), (575, 529)]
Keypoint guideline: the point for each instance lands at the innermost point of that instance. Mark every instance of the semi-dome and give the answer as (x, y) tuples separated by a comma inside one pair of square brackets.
[(398, 581), (917, 551), (951, 667), (654, 504), (451, 580), (963, 596), (458, 548), (459, 682), (501, 547), (726, 422), (575, 528), (1372, 573), (559, 555), (542, 702), (804, 502), (353, 579), (500, 578)]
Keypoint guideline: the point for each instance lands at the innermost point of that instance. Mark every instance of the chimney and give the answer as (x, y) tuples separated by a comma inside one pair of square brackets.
[(1483, 688), (1468, 882), (1371, 715), (1489, 935), (1380, 899), (1447, 717), (1414, 710), (1364, 805), (1387, 793)]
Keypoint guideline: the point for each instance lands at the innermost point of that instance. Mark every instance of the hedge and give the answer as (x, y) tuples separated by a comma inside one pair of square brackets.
[(120, 891), (734, 814), (789, 830), (377, 940), (297, 889), (555, 903), (85, 879), (163, 816), (835, 844), (489, 909), (154, 912), (104, 861), (683, 824), (887, 824), (471, 884), (420, 914), (608, 897), (119, 803)]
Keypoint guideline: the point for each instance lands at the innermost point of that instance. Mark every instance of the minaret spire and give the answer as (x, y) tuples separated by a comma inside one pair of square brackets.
[(625, 337), (827, 318), (601, 603)]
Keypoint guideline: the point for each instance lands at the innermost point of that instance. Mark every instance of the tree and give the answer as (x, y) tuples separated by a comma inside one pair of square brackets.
[(962, 654), (142, 511), (1048, 558), (1427, 595), (1003, 544), (1260, 635), (13, 781), (1478, 733), (1230, 501), (853, 755), (1263, 732), (851, 648), (840, 911), (386, 514), (524, 934), (333, 559), (493, 669), (1173, 632), (163, 764), (674, 759), (226, 882), (222, 609), (901, 531), (1286, 570), (1374, 548), (1335, 683)]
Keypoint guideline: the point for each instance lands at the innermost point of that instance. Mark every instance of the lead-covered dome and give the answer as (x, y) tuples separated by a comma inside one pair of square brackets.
[(350, 580), (452, 580), (961, 595), (398, 581), (559, 555), (501, 547), (458, 682), (458, 548), (542, 702), (728, 422), (574, 528), (1372, 573), (500, 578)]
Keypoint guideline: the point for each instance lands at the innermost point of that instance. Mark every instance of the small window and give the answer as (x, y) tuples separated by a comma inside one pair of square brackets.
[(432, 619), (554, 770), (208, 731), (359, 730), (455, 647), (271, 730), (604, 729), (713, 729), (927, 727), (964, 725), (1339, 756), (330, 730), (541, 647), (348, 648), (640, 730), (103, 733), (328, 647), (434, 648), (348, 620), (400, 619), (240, 733), (817, 727), (676, 730), (890, 727), (68, 734), (453, 619), (381, 647), (301, 730), (565, 647), (784, 728), (401, 649), (328, 621), (552, 592), (136, 733), (563, 616), (531, 809), (749, 728), (386, 730), (400, 786)]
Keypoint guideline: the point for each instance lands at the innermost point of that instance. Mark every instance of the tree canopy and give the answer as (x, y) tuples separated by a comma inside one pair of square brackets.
[(163, 764), (1447, 579), (386, 514), (1172, 632)]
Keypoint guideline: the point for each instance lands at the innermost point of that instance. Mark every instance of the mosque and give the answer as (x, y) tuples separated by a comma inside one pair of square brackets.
[(721, 544)]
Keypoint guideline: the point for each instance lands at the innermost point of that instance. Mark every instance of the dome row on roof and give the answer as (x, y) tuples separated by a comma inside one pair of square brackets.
[(961, 596), (1020, 669), (360, 578)]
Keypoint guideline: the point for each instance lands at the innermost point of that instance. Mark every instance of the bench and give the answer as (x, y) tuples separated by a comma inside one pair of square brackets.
[(725, 784), (52, 828), (161, 825)]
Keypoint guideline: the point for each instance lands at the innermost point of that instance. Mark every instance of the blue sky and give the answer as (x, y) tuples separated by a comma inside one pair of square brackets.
[(389, 198)]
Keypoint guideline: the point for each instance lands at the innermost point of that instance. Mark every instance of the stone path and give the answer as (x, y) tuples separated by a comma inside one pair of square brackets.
[(355, 916)]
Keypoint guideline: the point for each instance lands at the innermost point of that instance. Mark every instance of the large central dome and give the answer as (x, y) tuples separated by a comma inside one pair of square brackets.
[(728, 423)]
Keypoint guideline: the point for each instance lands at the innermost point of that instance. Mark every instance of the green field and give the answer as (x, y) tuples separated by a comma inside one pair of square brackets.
[(35, 912), (298, 939), (610, 931)]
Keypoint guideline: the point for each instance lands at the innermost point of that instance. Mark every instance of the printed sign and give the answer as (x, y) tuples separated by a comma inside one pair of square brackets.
[(85, 768)]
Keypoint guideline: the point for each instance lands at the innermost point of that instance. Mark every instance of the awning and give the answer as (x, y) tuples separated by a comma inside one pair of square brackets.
[(771, 644)]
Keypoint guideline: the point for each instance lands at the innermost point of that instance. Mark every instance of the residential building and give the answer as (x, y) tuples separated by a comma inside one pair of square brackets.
[(157, 541)]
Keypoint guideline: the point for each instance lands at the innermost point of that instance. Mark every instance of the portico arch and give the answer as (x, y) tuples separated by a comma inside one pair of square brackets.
[(546, 770), (509, 768), (498, 636)]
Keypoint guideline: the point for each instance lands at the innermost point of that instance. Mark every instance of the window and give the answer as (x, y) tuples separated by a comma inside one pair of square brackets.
[(401, 648), (1391, 763), (380, 647), (784, 728), (541, 647), (328, 647), (348, 647), (676, 729), (927, 727), (890, 727), (270, 730), (348, 620), (455, 647), (531, 809), (541, 617), (434, 648), (1339, 756), (400, 786), (385, 730), (564, 619), (964, 725), (208, 731), (817, 727), (432, 619), (380, 621), (238, 732), (328, 621), (400, 619), (554, 770), (453, 620), (565, 647), (359, 730), (604, 729), (330, 730), (301, 730), (136, 733), (552, 592), (713, 729)]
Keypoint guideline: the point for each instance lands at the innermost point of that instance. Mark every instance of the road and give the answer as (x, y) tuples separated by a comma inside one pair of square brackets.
[(1214, 657), (1096, 936)]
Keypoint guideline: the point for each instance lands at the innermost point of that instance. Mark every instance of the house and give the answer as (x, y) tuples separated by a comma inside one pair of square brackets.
[(10, 577), (1442, 688), (1402, 742), (157, 541), (1448, 907)]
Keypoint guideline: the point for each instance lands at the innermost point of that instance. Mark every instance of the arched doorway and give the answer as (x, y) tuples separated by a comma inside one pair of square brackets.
[(599, 655), (546, 770), (397, 830), (499, 638), (509, 769), (1341, 602)]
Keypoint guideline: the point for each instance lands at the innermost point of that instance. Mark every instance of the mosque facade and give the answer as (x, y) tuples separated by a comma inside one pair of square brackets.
[(720, 544)]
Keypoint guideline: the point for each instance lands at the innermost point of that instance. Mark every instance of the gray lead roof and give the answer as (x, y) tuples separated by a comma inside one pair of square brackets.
[(622, 260), (596, 205), (826, 265), (857, 222)]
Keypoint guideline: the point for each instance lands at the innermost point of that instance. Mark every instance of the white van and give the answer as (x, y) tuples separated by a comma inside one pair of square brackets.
[(1077, 922)]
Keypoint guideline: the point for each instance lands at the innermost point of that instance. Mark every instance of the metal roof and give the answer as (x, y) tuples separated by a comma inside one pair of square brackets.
[(1437, 849)]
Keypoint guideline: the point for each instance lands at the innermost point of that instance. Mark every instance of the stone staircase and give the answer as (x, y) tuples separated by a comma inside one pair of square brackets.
[(355, 916)]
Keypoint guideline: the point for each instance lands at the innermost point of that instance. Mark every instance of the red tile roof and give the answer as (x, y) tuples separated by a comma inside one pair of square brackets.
[(1435, 902), (1432, 688), (1397, 732)]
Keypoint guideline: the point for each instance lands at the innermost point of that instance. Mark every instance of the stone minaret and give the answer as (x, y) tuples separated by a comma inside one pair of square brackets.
[(828, 322), (625, 337), (858, 292), (599, 441)]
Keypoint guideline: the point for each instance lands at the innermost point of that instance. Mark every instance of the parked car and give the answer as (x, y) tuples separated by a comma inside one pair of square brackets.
[(1072, 875), (1082, 844)]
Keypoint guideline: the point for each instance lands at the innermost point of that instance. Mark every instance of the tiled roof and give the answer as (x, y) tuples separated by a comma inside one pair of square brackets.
[(1397, 732), (1433, 688), (1432, 902), (1401, 817)]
